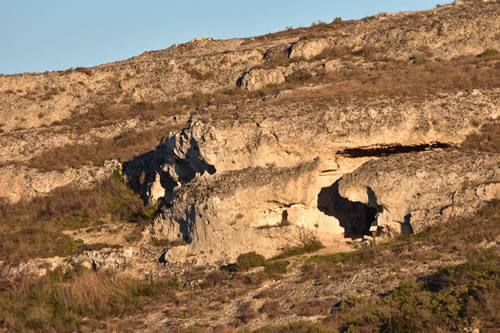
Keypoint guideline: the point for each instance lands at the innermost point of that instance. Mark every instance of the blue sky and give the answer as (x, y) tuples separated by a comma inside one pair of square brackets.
[(41, 35)]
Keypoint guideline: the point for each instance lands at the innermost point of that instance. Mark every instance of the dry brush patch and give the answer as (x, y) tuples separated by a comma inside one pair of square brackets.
[(108, 114), (457, 236), (34, 229), (388, 78), (487, 139), (377, 76), (76, 300), (310, 243), (397, 79), (196, 74), (439, 298), (122, 147), (316, 30), (455, 297), (130, 143)]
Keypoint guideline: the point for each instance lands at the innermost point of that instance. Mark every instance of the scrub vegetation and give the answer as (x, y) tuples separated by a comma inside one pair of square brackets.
[(34, 229)]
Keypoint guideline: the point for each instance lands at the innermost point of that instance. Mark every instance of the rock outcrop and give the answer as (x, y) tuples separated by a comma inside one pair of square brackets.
[(257, 79), (412, 191), (308, 49), (256, 185), (244, 209)]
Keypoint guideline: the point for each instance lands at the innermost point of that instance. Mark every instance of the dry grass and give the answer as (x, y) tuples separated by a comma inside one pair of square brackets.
[(131, 143), (34, 229), (487, 139), (316, 30), (271, 308), (456, 236), (299, 327), (197, 74), (108, 114), (123, 147), (246, 312), (128, 144), (79, 300), (454, 297), (385, 77), (310, 243), (397, 79), (298, 77), (446, 300), (85, 70), (312, 307)]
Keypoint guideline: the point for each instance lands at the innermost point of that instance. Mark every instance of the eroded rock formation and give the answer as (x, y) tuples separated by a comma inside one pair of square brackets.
[(411, 191), (258, 183)]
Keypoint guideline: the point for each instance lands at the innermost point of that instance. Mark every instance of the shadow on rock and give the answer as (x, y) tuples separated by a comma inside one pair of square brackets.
[(354, 217)]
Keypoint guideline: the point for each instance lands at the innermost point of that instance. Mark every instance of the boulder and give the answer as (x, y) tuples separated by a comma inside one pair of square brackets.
[(257, 79), (308, 49)]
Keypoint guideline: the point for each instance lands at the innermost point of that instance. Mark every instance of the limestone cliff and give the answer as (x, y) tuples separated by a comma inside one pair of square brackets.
[(224, 182)]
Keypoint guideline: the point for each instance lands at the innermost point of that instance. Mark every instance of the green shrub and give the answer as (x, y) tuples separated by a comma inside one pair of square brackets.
[(301, 326), (249, 260), (401, 324), (214, 278), (419, 60), (451, 299), (150, 210), (489, 53)]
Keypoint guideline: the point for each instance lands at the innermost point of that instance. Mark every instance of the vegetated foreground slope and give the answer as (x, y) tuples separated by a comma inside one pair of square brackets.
[(445, 278), (142, 194)]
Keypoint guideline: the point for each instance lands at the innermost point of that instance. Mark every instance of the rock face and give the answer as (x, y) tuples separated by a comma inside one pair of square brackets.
[(412, 191), (234, 186), (257, 79), (241, 209), (308, 49)]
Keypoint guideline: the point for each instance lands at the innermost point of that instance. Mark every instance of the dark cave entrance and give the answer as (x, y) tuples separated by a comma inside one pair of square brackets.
[(355, 217), (390, 150)]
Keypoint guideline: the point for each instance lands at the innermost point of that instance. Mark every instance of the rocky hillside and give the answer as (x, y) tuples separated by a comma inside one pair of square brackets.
[(191, 173)]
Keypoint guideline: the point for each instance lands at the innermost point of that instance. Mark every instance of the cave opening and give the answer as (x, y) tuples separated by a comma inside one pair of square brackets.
[(382, 151), (355, 217)]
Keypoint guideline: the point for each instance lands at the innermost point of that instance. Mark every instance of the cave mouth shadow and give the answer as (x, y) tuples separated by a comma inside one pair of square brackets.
[(355, 217)]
